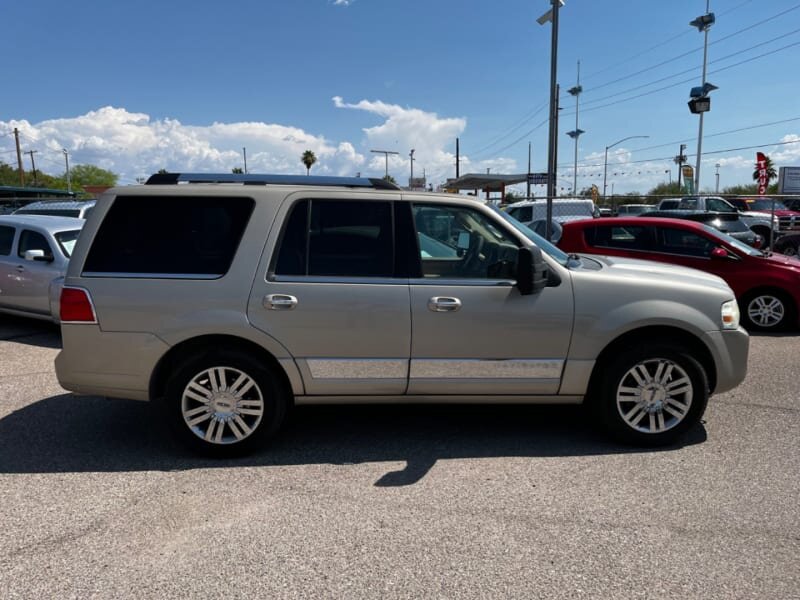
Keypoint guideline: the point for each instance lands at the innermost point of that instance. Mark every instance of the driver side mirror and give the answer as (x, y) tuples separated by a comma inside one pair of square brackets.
[(37, 255), (719, 253), (532, 272)]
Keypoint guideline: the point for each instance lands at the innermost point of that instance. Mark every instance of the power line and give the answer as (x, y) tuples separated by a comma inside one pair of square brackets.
[(660, 44), (661, 89), (723, 151), (692, 69), (513, 129), (673, 58)]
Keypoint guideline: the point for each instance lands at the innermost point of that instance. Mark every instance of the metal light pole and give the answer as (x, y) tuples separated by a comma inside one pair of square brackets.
[(605, 161), (410, 179), (69, 182), (386, 153), (576, 133), (552, 15), (717, 174), (702, 27)]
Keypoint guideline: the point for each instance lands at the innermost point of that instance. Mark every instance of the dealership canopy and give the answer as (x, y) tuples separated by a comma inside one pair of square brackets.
[(485, 181)]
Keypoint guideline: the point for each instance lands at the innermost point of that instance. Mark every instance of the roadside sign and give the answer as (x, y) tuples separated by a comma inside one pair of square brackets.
[(537, 178)]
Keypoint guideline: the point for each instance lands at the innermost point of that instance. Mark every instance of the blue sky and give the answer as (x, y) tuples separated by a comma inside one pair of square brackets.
[(135, 87)]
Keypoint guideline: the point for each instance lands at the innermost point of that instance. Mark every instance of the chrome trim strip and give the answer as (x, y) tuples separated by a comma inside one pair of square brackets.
[(336, 280), (151, 275), (444, 368), (358, 368), (434, 399), (475, 282)]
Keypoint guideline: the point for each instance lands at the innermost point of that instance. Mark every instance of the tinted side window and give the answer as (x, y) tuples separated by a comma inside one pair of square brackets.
[(163, 235), (459, 242), (522, 214), (338, 238), (629, 237), (687, 243), (717, 205), (6, 239), (33, 240)]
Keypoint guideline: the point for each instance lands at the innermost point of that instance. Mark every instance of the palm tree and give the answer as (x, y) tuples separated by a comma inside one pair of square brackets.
[(308, 159), (771, 172)]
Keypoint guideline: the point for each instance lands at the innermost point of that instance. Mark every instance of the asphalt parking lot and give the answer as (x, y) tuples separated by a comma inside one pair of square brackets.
[(353, 502)]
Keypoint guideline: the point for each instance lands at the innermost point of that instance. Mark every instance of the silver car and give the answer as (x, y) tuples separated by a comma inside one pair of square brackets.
[(34, 253), (250, 293)]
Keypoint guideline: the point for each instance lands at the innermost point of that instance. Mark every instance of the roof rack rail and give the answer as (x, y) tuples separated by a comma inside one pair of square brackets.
[(270, 179)]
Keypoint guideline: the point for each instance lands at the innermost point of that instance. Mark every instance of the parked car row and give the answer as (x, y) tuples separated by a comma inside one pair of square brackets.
[(767, 286)]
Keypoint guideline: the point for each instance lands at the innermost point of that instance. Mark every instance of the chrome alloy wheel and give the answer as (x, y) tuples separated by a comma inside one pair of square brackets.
[(654, 396), (222, 405), (766, 310)]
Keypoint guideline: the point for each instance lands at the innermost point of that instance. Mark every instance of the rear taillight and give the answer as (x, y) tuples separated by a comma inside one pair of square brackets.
[(76, 306)]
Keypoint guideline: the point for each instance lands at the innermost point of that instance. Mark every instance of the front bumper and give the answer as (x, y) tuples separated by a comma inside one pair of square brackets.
[(729, 349)]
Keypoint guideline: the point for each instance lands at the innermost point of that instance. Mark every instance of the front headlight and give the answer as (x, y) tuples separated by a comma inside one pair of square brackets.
[(730, 315)]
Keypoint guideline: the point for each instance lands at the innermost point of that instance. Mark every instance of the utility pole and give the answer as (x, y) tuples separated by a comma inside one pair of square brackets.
[(680, 159), (386, 154), (717, 188), (458, 161), (552, 160), (576, 133), (69, 182), (244, 153), (411, 178), (19, 159), (33, 165), (528, 193)]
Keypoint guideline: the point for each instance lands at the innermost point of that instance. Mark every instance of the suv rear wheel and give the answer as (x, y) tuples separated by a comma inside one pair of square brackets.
[(224, 403), (652, 394)]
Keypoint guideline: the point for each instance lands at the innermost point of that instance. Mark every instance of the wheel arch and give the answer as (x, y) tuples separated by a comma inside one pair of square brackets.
[(206, 344), (654, 334)]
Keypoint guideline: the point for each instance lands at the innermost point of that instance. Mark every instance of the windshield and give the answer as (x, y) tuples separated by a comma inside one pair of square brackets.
[(740, 246), (557, 254), (766, 205), (67, 239)]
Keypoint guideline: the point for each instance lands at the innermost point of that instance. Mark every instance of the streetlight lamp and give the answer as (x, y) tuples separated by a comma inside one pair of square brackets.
[(717, 189), (552, 16), (605, 161)]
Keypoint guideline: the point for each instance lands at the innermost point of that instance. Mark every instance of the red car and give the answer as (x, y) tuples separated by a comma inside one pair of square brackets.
[(766, 286)]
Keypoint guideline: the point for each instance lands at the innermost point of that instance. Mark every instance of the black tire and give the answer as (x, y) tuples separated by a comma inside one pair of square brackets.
[(676, 395), (767, 310), (233, 388), (789, 246), (764, 233)]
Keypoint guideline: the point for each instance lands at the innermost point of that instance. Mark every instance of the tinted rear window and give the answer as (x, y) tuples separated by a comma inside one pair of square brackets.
[(6, 239), (164, 236), (51, 212)]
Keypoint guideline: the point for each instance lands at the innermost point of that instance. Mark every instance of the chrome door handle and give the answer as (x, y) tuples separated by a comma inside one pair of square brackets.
[(279, 302), (444, 304), (20, 268)]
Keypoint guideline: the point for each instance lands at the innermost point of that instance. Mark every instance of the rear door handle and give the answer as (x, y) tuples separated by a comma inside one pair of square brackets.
[(279, 302), (444, 304), (20, 268)]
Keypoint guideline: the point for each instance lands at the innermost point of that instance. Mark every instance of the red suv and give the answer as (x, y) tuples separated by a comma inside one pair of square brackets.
[(766, 286)]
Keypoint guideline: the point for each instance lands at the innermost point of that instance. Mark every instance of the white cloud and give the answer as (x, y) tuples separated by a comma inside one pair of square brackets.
[(133, 144), (343, 2)]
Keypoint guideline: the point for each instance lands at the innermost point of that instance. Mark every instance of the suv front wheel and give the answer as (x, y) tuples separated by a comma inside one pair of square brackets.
[(224, 403), (652, 394)]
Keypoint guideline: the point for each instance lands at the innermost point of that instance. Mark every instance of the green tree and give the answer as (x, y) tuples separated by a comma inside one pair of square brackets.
[(308, 159), (83, 175), (771, 172), (237, 171), (744, 189), (390, 179), (666, 189)]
